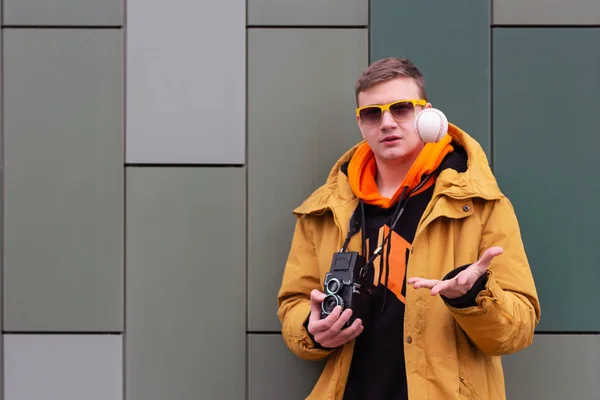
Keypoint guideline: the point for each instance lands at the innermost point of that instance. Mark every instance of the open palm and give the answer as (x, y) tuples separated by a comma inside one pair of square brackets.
[(462, 282)]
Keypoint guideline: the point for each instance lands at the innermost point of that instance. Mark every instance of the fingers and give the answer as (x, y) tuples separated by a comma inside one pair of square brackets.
[(449, 288), (317, 325), (349, 333), (419, 283), (339, 323), (335, 337), (441, 287), (330, 332), (487, 256), (316, 298)]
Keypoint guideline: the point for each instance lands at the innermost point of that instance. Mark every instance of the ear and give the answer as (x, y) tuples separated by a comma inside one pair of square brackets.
[(428, 105)]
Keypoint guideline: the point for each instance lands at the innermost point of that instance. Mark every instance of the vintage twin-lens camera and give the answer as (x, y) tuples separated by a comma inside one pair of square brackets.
[(348, 284)]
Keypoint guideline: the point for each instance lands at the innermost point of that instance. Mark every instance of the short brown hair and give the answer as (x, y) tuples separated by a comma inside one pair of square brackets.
[(387, 69)]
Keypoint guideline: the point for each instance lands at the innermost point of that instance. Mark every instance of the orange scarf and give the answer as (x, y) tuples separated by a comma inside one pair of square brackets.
[(363, 169)]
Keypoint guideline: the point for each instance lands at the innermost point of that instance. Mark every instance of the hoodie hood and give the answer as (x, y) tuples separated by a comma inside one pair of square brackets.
[(477, 181)]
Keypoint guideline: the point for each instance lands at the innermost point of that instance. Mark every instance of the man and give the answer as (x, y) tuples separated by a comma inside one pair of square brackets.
[(469, 297)]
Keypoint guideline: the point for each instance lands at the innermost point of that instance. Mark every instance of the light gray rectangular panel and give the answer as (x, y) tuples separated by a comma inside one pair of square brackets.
[(301, 120), (63, 367), (186, 82), (63, 12), (308, 12), (186, 297), (63, 210), (275, 373), (555, 367), (546, 12)]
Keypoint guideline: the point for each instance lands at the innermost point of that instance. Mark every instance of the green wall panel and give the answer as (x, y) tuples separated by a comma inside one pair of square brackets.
[(449, 41), (546, 102)]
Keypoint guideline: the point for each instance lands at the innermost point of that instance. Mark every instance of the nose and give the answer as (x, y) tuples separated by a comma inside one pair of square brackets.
[(387, 122)]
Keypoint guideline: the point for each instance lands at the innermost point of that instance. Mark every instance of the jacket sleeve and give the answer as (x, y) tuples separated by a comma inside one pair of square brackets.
[(507, 310), (300, 277)]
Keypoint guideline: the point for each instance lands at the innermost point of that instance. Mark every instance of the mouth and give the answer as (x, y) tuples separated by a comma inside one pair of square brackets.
[(390, 139)]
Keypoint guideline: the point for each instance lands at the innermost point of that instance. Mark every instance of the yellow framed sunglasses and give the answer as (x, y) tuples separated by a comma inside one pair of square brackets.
[(401, 110)]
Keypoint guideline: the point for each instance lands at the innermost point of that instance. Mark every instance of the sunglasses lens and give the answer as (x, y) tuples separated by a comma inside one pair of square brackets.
[(402, 111), (370, 115)]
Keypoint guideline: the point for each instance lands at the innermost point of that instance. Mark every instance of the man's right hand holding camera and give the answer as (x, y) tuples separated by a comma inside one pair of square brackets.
[(328, 332)]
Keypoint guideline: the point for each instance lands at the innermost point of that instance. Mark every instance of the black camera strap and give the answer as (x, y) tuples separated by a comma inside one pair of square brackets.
[(355, 226)]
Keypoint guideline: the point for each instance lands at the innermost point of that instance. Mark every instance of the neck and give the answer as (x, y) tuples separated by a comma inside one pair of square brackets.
[(390, 176)]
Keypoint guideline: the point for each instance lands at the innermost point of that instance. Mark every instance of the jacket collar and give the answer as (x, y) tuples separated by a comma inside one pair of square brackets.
[(477, 181)]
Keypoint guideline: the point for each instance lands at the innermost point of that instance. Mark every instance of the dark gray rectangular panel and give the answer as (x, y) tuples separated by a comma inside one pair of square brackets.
[(275, 373), (308, 12), (186, 264), (449, 41), (555, 367), (65, 367), (301, 120), (63, 204), (546, 12), (186, 82), (63, 12), (546, 141)]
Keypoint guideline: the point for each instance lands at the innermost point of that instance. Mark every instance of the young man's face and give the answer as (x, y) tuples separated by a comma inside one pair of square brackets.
[(391, 138)]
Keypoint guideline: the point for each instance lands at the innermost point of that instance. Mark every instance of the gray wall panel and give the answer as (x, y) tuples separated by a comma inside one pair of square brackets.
[(186, 81), (546, 161), (63, 206), (555, 367), (275, 373), (546, 12), (450, 46), (301, 120), (63, 12), (63, 367), (185, 283), (308, 12)]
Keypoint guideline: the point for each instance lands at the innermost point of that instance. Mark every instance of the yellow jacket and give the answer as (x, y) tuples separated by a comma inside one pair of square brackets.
[(449, 353)]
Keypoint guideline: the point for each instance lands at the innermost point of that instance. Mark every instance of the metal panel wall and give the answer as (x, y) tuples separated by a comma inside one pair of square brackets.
[(449, 41), (63, 12), (301, 120), (185, 336), (308, 12), (188, 320), (546, 12), (63, 200), (275, 373), (555, 367), (546, 161), (65, 367), (186, 82)]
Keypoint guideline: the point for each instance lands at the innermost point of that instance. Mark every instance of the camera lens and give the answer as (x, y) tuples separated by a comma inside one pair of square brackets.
[(330, 303), (333, 286)]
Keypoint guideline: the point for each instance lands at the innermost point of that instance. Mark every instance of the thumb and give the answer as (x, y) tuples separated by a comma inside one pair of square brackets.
[(486, 258), (316, 298)]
